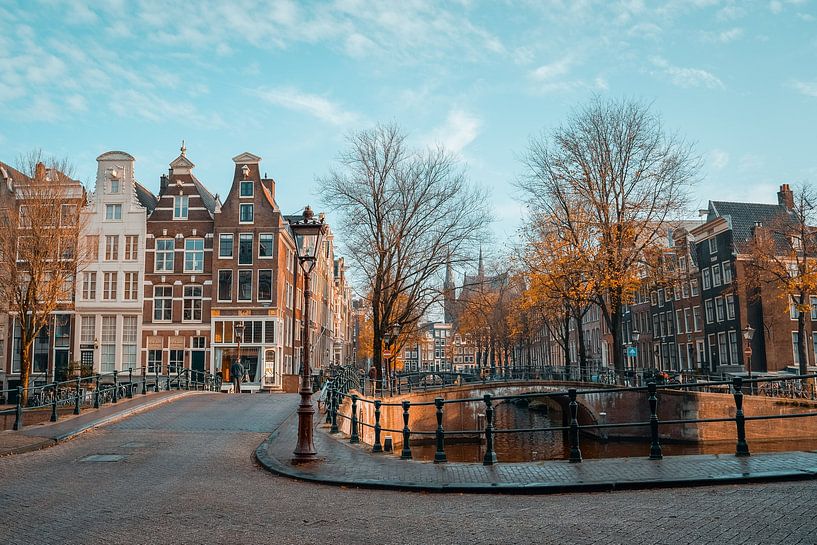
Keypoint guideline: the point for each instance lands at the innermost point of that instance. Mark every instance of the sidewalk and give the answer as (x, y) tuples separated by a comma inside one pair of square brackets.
[(353, 465), (45, 435)]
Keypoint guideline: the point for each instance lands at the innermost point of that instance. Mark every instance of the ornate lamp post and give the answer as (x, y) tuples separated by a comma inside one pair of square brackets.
[(748, 334), (238, 331), (308, 233), (395, 334)]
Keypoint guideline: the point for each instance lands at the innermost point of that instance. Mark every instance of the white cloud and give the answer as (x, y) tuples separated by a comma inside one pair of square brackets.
[(730, 35), (77, 103), (688, 77), (315, 105), (358, 45), (808, 88), (775, 6), (460, 129), (549, 72), (718, 159)]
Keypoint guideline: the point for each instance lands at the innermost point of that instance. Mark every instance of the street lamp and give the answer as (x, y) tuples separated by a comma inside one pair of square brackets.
[(395, 334), (748, 334), (238, 332), (308, 233)]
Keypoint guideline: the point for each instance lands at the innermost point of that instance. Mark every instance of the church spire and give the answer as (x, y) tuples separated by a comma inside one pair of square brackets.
[(481, 265)]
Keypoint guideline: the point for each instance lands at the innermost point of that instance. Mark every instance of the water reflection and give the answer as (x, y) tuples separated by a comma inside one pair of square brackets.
[(537, 446)]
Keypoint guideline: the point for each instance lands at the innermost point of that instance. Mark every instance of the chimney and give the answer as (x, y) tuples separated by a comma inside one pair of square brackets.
[(269, 183), (785, 197), (39, 171), (163, 183)]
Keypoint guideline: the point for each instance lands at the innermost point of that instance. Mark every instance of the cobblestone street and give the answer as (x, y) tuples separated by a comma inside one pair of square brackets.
[(184, 473)]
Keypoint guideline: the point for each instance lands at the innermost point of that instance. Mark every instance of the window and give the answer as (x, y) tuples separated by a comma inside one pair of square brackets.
[(108, 346), (131, 287), (693, 287), (733, 347), (245, 214), (116, 186), (730, 307), (129, 341), (246, 188), (685, 290), (176, 361), (269, 332), (713, 350), (727, 272), (225, 285), (794, 313), (707, 276), (813, 303), (225, 245), (192, 304), (710, 311), (265, 285), (87, 330), (109, 286), (795, 340), (154, 361), (131, 247), (92, 247), (653, 298), (89, 286), (165, 248), (688, 320), (162, 303), (713, 246), (180, 207), (111, 247), (663, 324), (194, 255), (719, 308), (113, 211), (682, 264), (245, 285), (814, 343), (716, 275), (722, 348), (661, 297), (265, 245), (655, 328), (679, 325), (245, 249)]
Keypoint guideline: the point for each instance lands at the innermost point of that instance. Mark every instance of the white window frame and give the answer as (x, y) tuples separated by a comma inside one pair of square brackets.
[(110, 283), (246, 206), (193, 253), (131, 247), (160, 256), (192, 304), (167, 303), (113, 212), (181, 207), (130, 286), (218, 285), (221, 238), (272, 245), (238, 285)]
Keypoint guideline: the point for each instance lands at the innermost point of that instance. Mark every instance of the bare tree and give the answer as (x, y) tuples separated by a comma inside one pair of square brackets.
[(613, 172), (404, 215), (783, 258), (40, 250)]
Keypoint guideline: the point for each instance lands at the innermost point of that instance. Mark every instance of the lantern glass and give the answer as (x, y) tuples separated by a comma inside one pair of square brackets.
[(307, 245)]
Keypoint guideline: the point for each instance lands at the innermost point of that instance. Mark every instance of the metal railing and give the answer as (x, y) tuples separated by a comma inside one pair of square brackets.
[(96, 390), (573, 429)]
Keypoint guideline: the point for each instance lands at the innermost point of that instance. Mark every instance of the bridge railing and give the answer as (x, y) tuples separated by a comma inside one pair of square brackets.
[(96, 390), (573, 429)]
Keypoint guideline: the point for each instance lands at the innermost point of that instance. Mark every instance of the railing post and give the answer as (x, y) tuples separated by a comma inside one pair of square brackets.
[(168, 379), (54, 416), (490, 456), (573, 433), (156, 383), (144, 381), (655, 446), (178, 378), (353, 436), (77, 400), (329, 401), (405, 454), (18, 410), (335, 404), (115, 387), (377, 447), (742, 448), (96, 393), (439, 456), (130, 382)]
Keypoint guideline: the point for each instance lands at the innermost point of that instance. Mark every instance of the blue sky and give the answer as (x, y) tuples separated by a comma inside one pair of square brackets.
[(288, 80)]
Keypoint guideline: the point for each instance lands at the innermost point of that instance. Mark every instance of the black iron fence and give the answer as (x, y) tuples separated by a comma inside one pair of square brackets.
[(573, 429), (97, 390)]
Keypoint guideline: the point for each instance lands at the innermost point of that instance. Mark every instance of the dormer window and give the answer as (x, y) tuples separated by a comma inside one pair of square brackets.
[(245, 213), (246, 189), (115, 186), (180, 205)]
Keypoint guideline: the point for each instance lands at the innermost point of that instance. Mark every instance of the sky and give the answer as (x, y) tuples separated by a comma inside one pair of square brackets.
[(289, 81)]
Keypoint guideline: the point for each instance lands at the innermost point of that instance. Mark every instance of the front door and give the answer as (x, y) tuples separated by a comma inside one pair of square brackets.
[(197, 360), (60, 365)]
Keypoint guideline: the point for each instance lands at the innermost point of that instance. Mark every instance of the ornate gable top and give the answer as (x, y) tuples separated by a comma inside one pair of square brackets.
[(246, 158), (181, 164)]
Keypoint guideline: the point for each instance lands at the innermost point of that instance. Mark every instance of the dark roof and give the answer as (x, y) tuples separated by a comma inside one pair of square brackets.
[(146, 198), (743, 216), (207, 198)]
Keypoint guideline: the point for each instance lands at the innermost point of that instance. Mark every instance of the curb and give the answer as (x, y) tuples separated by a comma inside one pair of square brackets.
[(277, 467), (51, 441)]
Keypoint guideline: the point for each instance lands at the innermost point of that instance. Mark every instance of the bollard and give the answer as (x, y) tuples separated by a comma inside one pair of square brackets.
[(490, 456), (405, 454), (130, 383), (18, 410), (96, 393), (54, 416), (655, 446), (439, 456), (353, 437), (377, 447), (335, 403), (115, 387), (77, 397), (573, 433), (742, 448)]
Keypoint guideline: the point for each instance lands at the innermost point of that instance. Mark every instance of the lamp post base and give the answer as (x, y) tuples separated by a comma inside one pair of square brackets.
[(305, 451)]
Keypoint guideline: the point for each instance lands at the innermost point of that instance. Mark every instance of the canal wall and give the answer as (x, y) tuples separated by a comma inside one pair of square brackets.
[(611, 407)]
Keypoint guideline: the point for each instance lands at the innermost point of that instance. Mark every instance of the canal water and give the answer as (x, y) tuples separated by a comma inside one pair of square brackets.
[(536, 446)]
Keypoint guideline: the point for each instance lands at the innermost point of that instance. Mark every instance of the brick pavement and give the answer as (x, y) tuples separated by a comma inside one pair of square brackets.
[(188, 477), (354, 465)]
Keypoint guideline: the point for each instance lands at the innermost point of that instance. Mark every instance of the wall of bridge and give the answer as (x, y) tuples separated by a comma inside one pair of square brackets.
[(613, 406)]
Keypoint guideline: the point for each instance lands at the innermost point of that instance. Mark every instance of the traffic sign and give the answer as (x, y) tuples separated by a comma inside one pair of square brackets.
[(632, 351), (387, 353), (747, 351)]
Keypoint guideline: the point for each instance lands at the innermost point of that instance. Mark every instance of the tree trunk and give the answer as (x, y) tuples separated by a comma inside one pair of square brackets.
[(802, 353), (25, 367), (566, 345), (584, 371)]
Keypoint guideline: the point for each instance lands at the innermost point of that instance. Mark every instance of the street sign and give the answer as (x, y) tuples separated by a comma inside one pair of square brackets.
[(632, 351), (387, 353), (747, 351)]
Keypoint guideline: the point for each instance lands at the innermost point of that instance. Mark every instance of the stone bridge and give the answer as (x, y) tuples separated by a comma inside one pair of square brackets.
[(614, 405)]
